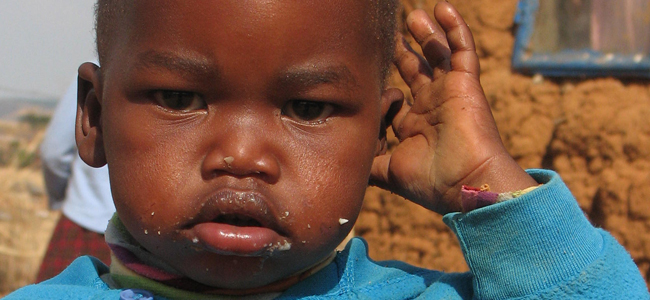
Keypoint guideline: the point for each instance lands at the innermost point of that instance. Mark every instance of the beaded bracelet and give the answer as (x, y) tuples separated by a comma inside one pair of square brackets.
[(473, 197)]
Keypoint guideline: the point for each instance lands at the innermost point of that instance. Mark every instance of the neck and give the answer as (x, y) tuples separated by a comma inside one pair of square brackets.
[(280, 285)]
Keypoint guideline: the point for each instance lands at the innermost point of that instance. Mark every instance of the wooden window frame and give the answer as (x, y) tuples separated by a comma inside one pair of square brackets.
[(569, 63)]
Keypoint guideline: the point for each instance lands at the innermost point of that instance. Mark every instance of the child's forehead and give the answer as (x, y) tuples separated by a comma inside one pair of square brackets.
[(253, 28), (261, 20), (251, 12), (369, 25)]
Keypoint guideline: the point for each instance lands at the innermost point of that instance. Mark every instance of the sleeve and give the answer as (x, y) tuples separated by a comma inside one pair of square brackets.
[(58, 148), (541, 246), (81, 280)]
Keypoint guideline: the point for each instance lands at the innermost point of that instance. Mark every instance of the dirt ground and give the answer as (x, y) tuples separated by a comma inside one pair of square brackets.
[(594, 132), (25, 220)]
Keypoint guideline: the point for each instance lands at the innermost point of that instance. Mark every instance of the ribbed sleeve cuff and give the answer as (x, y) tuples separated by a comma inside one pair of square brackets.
[(527, 244)]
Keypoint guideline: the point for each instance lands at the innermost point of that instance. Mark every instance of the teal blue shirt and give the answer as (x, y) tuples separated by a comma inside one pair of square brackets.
[(537, 246)]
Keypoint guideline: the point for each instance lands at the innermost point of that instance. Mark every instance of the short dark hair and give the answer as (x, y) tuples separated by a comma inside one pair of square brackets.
[(383, 20)]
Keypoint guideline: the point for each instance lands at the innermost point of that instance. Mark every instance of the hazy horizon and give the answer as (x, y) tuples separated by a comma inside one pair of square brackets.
[(43, 43)]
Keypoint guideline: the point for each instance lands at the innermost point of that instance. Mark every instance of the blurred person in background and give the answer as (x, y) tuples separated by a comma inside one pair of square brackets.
[(82, 193)]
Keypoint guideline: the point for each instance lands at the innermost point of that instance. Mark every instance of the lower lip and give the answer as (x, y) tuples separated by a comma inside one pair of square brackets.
[(234, 240)]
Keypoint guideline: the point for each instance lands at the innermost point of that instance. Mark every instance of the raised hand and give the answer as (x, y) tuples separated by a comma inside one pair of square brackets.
[(447, 136)]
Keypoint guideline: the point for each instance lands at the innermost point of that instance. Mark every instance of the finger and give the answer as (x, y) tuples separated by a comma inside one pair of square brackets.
[(392, 102), (459, 38), (432, 40), (398, 121), (379, 171), (412, 67)]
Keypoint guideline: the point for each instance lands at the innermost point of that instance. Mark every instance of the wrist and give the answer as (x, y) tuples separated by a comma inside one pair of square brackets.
[(499, 179), (502, 174), (474, 197)]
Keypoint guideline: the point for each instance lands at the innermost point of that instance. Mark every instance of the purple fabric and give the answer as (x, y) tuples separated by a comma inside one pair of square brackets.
[(473, 198)]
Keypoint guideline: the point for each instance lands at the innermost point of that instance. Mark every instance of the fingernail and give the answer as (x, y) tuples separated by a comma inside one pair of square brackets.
[(428, 22), (430, 27), (421, 18)]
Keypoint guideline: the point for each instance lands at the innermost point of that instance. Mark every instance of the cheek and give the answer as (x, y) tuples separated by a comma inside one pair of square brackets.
[(146, 170), (333, 175)]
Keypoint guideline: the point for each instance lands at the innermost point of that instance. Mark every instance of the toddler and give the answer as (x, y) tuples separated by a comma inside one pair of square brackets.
[(240, 138)]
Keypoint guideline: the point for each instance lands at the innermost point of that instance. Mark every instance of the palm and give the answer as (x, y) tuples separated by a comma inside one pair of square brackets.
[(448, 135)]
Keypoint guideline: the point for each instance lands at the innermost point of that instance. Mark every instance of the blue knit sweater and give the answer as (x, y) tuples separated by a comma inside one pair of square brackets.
[(537, 246)]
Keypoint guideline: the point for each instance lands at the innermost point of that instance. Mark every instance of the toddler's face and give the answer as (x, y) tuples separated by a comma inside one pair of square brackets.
[(240, 134)]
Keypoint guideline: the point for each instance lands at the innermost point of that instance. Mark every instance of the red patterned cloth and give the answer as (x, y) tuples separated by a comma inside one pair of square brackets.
[(68, 242)]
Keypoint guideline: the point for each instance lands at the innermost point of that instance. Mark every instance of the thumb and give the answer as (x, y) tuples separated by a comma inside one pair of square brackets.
[(379, 171)]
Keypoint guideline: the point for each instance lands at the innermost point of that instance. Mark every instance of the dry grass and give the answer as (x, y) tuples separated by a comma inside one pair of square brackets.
[(25, 221)]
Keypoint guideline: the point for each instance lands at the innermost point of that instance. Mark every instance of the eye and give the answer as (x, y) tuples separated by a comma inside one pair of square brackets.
[(180, 101), (308, 111)]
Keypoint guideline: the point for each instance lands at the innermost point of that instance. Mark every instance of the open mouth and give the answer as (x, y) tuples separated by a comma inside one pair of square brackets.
[(237, 220)]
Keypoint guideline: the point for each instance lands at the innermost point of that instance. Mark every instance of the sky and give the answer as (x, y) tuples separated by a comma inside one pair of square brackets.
[(42, 42)]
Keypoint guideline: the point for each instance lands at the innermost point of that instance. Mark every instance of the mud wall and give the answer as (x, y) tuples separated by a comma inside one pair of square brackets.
[(594, 132)]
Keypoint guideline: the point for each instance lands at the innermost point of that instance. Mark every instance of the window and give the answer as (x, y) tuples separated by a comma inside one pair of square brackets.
[(583, 38)]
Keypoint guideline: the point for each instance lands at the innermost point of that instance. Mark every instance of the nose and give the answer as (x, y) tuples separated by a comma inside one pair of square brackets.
[(242, 146)]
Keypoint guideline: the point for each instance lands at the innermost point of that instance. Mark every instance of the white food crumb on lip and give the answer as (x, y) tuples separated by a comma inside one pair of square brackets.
[(146, 231), (229, 160), (286, 213), (279, 246), (195, 240), (158, 232), (308, 226), (343, 221), (153, 212), (284, 247)]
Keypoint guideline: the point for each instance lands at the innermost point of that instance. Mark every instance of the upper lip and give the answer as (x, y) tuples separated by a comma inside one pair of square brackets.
[(238, 204)]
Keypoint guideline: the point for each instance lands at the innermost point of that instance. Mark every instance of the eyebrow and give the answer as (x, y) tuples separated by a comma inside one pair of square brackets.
[(302, 77), (187, 65), (305, 77)]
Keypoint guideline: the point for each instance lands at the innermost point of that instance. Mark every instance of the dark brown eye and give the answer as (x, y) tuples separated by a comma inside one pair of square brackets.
[(181, 101), (308, 111)]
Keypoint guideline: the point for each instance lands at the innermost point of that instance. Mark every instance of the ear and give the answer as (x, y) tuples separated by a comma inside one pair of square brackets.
[(391, 103), (88, 130)]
